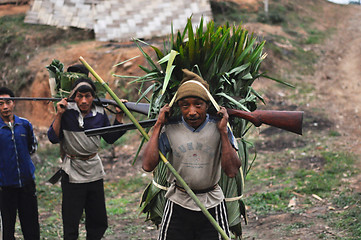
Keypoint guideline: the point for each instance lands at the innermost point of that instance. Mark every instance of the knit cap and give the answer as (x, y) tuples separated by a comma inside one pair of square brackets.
[(190, 86)]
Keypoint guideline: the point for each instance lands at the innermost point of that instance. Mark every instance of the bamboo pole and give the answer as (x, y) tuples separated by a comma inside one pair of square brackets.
[(164, 159)]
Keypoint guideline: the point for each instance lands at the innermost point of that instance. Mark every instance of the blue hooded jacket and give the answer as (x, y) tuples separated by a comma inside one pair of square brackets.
[(16, 166)]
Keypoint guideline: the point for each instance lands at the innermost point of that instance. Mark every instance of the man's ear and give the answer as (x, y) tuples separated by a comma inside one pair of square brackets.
[(207, 105)]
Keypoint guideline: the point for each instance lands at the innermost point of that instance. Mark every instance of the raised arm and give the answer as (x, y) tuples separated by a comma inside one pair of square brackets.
[(119, 113), (111, 137), (61, 108), (229, 158), (150, 157)]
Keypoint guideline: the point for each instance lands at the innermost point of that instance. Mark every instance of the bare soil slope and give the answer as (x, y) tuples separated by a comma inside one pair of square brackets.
[(337, 90), (338, 79)]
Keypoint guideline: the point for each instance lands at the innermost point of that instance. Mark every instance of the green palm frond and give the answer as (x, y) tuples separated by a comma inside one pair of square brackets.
[(152, 200), (168, 73), (63, 81)]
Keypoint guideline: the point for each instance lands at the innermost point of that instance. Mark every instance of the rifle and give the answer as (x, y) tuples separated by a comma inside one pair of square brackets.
[(286, 120), (132, 106)]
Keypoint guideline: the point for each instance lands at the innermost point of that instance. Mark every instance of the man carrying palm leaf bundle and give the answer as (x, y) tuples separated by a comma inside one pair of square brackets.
[(199, 146)]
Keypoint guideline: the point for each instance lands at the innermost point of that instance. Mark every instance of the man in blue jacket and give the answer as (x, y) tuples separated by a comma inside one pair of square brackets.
[(83, 172), (17, 186)]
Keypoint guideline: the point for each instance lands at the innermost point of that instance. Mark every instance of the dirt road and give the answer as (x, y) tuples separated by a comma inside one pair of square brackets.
[(338, 79), (337, 84)]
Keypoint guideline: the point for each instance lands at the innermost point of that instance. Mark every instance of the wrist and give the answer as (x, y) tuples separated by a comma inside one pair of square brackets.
[(158, 125), (119, 120), (223, 131), (59, 114)]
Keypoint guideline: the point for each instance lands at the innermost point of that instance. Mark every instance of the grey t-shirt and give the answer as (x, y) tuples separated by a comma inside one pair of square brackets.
[(76, 143), (196, 156)]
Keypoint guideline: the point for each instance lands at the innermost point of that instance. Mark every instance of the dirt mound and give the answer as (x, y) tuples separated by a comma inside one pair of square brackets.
[(101, 56), (12, 9)]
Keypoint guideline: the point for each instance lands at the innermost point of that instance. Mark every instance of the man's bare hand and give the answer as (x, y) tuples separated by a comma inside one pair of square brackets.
[(222, 124), (120, 114), (61, 106), (164, 113)]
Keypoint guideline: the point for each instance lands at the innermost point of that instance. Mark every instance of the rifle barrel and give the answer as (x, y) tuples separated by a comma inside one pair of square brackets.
[(142, 108), (118, 128), (31, 99)]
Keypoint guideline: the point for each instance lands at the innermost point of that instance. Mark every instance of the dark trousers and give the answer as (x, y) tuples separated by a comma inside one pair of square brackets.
[(78, 197), (179, 223), (24, 202)]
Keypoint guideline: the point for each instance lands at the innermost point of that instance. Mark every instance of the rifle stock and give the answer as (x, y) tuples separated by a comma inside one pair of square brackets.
[(286, 120)]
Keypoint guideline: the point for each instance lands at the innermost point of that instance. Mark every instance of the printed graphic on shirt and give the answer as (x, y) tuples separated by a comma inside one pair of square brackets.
[(192, 152)]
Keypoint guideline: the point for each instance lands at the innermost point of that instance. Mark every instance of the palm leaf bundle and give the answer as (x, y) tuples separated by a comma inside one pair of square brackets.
[(153, 199), (61, 82), (229, 59)]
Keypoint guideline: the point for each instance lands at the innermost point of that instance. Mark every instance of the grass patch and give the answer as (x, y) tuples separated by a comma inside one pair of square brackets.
[(303, 59), (266, 203), (315, 37), (337, 167), (49, 196), (349, 218), (224, 11), (116, 206), (333, 133), (266, 176), (286, 179), (135, 184), (275, 15), (296, 226)]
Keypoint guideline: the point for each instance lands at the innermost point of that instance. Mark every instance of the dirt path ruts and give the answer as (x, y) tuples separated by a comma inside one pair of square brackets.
[(338, 80), (337, 83)]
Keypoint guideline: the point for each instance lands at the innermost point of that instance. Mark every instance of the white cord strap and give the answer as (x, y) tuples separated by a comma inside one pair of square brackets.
[(233, 198), (159, 186), (215, 104), (226, 199)]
